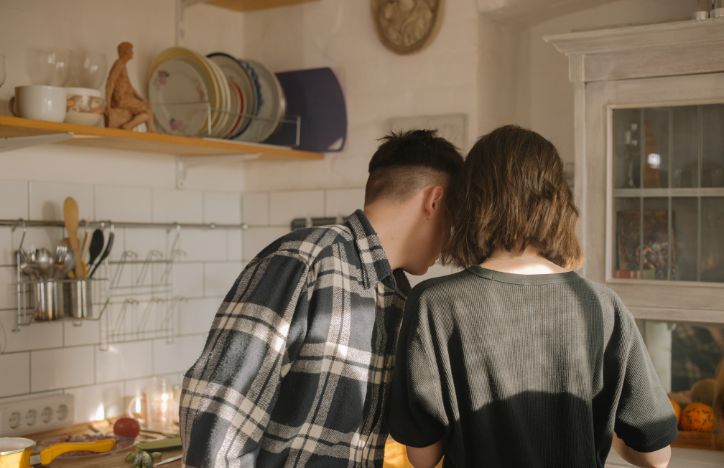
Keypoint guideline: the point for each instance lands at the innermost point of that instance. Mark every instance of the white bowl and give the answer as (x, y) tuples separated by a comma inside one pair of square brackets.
[(84, 106)]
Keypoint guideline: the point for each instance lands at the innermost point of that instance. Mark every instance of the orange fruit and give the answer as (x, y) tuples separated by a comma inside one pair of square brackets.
[(677, 409), (697, 417)]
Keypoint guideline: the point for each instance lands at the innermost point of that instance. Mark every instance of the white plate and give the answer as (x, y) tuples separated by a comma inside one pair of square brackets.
[(235, 72), (222, 110), (178, 92), (272, 105)]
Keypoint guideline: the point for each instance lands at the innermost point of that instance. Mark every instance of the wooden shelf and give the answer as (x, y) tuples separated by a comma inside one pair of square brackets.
[(110, 138), (250, 5)]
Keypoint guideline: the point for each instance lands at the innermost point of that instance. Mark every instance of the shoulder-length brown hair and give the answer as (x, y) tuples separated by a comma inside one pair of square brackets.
[(511, 195)]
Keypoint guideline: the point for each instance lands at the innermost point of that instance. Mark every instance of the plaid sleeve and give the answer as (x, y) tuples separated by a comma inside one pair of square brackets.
[(229, 393)]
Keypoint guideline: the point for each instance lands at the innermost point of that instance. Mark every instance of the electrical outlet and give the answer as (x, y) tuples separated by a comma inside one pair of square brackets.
[(38, 414)]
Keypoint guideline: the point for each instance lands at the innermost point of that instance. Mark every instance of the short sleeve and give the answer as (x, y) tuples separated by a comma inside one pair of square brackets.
[(416, 416), (645, 419)]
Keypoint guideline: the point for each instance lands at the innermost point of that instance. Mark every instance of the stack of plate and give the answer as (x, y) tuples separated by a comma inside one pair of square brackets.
[(217, 96)]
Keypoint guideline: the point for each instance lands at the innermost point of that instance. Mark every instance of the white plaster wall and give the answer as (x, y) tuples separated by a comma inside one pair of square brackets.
[(378, 84), (61, 357), (545, 96)]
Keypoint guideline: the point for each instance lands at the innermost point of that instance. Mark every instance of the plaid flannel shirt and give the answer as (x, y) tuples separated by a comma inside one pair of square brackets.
[(297, 365)]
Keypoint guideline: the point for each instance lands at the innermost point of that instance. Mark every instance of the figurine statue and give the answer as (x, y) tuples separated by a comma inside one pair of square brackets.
[(125, 108)]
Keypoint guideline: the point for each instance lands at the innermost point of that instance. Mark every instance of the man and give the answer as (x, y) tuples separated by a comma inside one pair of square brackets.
[(297, 365)]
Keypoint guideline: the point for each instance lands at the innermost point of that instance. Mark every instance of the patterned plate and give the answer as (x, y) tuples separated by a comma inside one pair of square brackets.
[(272, 105), (181, 89)]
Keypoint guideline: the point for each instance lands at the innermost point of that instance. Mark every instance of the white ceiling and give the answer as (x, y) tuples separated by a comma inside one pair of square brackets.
[(532, 11)]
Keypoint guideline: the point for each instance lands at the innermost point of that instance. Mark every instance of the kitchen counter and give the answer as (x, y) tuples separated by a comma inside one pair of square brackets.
[(116, 460), (680, 458)]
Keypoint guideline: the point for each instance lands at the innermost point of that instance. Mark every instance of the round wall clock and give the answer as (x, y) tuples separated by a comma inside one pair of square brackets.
[(406, 26)]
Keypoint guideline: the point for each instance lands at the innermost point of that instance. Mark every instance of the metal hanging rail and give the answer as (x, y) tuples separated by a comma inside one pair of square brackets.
[(121, 224)]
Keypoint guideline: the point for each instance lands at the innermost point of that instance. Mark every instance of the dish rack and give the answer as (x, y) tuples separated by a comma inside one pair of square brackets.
[(204, 111), (139, 301), (132, 298)]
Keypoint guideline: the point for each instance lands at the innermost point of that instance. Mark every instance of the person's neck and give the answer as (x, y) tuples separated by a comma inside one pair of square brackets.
[(386, 222), (527, 262)]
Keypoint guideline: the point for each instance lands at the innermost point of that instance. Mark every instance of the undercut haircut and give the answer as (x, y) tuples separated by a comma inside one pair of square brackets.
[(408, 161), (513, 194)]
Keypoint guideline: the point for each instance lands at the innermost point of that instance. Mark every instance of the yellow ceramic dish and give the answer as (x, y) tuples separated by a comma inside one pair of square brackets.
[(16, 452)]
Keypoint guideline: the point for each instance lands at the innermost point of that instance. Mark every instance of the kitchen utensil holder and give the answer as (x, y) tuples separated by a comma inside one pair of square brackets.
[(131, 295), (55, 299), (47, 300)]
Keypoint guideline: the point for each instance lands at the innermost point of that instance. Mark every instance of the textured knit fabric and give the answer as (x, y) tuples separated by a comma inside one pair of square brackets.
[(524, 371), (297, 366)]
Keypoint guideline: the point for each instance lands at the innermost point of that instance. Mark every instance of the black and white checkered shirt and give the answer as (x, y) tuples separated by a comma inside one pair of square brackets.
[(297, 365)]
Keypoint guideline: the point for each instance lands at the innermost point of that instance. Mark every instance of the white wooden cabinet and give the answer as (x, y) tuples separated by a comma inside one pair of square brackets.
[(649, 181), (649, 117)]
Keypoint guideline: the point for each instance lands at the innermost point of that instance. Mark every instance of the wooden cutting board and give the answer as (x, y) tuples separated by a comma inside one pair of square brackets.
[(112, 460)]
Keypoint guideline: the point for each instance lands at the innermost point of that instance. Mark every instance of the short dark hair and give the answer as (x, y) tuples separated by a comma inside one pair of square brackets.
[(512, 194), (405, 161)]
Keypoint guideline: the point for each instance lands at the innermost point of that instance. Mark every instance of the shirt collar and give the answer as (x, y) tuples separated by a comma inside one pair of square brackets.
[(375, 266)]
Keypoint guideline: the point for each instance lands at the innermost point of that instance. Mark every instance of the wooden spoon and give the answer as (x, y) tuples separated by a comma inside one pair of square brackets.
[(70, 216)]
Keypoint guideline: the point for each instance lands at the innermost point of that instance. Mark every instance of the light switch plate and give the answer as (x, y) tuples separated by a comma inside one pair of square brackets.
[(36, 414)]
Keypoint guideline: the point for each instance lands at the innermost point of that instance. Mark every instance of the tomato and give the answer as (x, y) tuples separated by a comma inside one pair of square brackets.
[(126, 427)]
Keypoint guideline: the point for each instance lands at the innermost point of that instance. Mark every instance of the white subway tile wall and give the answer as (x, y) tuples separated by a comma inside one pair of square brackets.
[(285, 206), (61, 368), (13, 199), (256, 238), (45, 335), (178, 206), (68, 357), (203, 244), (343, 202), (81, 333), (47, 198), (136, 204), (16, 374), (195, 315), (222, 207), (7, 289), (177, 355), (255, 209), (96, 402), (234, 245), (6, 246), (123, 361)]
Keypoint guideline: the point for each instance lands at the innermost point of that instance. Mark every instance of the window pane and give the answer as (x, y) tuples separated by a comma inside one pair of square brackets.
[(685, 147), (656, 147), (685, 237), (712, 239), (712, 174), (628, 238), (627, 149)]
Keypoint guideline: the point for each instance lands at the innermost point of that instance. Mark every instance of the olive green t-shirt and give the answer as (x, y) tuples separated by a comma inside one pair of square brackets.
[(524, 370)]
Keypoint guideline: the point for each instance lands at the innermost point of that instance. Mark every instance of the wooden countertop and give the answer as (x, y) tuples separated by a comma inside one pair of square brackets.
[(115, 459)]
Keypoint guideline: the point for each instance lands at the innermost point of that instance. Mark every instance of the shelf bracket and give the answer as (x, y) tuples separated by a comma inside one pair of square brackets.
[(19, 142), (181, 6), (184, 163)]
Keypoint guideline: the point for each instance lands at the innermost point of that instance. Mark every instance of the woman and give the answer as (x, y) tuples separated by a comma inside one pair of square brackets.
[(518, 361)]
